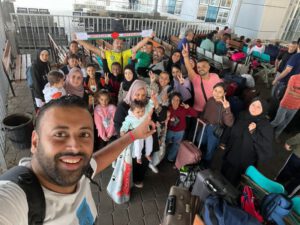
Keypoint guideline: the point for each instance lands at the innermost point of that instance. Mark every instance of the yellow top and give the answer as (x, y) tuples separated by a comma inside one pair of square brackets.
[(112, 56)]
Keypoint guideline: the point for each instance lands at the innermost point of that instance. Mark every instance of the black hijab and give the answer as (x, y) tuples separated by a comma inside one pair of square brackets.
[(42, 67), (250, 118), (127, 84)]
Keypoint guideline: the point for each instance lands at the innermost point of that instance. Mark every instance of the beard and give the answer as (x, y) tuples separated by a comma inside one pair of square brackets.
[(57, 175)]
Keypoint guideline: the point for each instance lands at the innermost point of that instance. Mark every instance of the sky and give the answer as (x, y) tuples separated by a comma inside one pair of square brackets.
[(52, 5)]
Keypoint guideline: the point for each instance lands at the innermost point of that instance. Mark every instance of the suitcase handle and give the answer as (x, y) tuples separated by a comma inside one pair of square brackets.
[(212, 187), (196, 129), (171, 205)]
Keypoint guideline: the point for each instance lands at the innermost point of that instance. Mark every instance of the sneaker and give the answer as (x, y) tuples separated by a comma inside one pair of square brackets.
[(153, 168), (139, 185)]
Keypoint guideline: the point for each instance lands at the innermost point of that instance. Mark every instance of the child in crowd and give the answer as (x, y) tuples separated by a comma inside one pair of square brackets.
[(129, 77), (111, 81), (91, 84), (103, 116), (176, 124), (55, 87), (136, 115), (162, 88), (73, 61), (216, 113), (73, 49)]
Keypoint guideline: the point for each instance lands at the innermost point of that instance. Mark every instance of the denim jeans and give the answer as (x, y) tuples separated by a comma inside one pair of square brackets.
[(173, 140), (282, 119), (210, 140)]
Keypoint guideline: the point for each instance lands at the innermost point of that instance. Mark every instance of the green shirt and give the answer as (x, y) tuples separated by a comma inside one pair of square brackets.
[(208, 45), (143, 60)]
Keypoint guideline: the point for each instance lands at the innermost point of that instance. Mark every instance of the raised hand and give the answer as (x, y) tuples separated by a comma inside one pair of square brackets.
[(185, 50), (180, 78), (186, 106), (154, 99), (145, 129), (106, 78), (225, 103), (152, 77)]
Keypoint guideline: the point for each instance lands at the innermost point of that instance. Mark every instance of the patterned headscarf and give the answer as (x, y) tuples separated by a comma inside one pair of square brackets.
[(136, 85), (70, 89)]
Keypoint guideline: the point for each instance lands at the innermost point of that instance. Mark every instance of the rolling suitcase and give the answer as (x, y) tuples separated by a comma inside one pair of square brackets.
[(188, 152), (181, 207), (212, 182)]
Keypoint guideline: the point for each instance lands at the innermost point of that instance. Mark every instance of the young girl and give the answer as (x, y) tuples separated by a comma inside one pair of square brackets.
[(176, 124), (161, 88), (91, 84), (129, 77), (136, 115), (103, 116), (216, 112)]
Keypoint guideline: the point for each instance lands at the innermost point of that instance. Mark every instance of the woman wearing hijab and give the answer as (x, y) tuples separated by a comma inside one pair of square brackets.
[(74, 82), (39, 70), (129, 77), (138, 92), (249, 140)]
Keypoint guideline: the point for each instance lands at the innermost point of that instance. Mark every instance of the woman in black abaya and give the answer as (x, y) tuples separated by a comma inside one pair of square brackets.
[(249, 140)]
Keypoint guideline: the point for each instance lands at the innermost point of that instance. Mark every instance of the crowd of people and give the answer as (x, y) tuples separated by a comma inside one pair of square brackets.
[(135, 83), (179, 89)]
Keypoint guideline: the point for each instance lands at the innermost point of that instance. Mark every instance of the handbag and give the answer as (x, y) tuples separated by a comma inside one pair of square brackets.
[(120, 182), (219, 128)]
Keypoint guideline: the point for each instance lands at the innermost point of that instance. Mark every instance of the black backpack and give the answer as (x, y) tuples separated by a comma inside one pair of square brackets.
[(27, 180)]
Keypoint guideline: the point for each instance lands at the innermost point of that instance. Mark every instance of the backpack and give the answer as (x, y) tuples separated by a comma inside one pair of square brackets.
[(29, 76), (27, 180), (217, 211), (248, 203), (275, 206)]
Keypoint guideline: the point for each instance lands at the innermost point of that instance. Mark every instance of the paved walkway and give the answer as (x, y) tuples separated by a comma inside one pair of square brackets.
[(146, 205)]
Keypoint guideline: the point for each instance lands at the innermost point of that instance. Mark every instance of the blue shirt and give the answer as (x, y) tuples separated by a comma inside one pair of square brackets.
[(183, 41), (293, 62)]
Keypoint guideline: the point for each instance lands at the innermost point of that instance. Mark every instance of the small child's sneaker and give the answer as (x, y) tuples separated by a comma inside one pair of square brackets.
[(139, 185), (153, 168)]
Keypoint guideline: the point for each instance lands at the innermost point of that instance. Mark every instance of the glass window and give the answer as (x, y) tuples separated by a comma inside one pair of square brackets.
[(215, 2), (202, 12), (204, 2), (226, 3), (223, 16), (211, 15)]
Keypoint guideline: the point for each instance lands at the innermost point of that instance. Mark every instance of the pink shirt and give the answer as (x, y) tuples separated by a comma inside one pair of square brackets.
[(290, 101), (104, 121), (208, 84)]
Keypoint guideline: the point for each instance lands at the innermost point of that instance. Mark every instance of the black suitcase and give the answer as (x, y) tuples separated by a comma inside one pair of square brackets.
[(212, 182)]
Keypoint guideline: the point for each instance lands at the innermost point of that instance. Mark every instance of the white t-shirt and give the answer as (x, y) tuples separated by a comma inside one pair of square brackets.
[(74, 209)]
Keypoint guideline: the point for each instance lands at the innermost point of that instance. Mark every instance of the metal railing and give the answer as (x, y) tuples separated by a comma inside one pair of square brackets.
[(32, 29)]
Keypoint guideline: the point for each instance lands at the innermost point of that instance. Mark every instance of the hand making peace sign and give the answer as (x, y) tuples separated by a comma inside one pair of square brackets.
[(106, 78), (185, 50)]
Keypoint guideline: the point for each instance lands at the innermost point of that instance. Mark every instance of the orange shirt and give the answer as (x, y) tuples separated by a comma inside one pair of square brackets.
[(290, 101)]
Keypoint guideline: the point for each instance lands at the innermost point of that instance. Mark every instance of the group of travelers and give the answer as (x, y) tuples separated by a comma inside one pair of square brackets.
[(132, 94)]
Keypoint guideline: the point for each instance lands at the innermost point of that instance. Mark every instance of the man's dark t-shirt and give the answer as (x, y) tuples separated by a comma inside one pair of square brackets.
[(293, 62), (284, 57)]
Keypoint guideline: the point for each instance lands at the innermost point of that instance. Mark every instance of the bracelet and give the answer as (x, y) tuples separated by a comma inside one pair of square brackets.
[(131, 136)]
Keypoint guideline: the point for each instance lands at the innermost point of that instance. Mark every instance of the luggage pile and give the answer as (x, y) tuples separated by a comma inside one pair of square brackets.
[(204, 196)]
